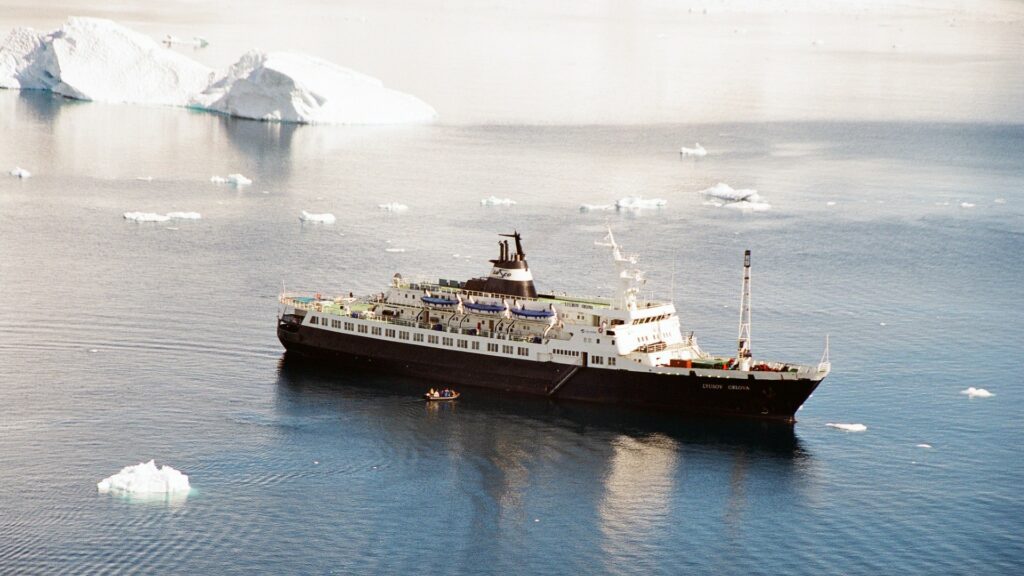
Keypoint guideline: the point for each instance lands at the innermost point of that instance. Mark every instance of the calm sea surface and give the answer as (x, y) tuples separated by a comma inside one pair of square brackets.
[(901, 239)]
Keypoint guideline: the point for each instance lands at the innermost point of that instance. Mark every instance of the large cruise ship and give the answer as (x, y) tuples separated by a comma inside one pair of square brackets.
[(498, 332)]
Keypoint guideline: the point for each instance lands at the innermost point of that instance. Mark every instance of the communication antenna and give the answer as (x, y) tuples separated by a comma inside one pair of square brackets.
[(743, 355)]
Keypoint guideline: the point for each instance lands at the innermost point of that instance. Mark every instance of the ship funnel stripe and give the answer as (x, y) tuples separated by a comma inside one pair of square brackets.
[(513, 274)]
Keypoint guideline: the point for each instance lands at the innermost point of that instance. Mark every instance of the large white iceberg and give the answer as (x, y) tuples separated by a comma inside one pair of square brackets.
[(145, 478), (96, 59), (297, 88)]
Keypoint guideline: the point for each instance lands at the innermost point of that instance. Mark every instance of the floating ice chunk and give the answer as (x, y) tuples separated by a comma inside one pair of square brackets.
[(238, 180), (723, 191), (145, 478), (144, 178), (184, 215), (96, 59), (638, 203), (966, 205), (19, 172), (973, 392), (830, 203), (393, 207), (394, 249), (849, 427), (1000, 200), (325, 218), (218, 180), (288, 87), (146, 217), (596, 207), (923, 446), (697, 151), (495, 201)]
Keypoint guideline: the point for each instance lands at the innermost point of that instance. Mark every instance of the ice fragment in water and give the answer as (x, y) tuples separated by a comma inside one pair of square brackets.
[(924, 446), (184, 215), (596, 207), (973, 392), (638, 203), (19, 172), (145, 478), (393, 207), (325, 218), (495, 201), (394, 249), (146, 217), (849, 427), (723, 191), (697, 151), (966, 205)]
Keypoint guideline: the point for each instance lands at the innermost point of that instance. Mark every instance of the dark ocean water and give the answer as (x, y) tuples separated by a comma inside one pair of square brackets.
[(124, 341)]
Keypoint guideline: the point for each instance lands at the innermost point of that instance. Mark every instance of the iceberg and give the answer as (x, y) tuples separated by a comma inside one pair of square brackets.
[(97, 59), (287, 87), (19, 172), (146, 217), (723, 191), (697, 151), (393, 207), (325, 218), (638, 203), (495, 201), (849, 427), (973, 392), (145, 478)]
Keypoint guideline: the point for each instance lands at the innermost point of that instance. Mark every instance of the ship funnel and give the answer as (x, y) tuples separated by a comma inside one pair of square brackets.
[(510, 274)]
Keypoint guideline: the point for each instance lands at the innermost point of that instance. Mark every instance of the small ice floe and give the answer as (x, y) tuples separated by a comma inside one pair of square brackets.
[(830, 203), (144, 178), (849, 427), (93, 350), (966, 205), (393, 207), (638, 203), (749, 206), (697, 151), (596, 207), (184, 215), (146, 217), (235, 179), (495, 201), (923, 446), (723, 191), (145, 478), (394, 249), (973, 392), (1000, 200), (325, 218), (882, 324), (19, 172)]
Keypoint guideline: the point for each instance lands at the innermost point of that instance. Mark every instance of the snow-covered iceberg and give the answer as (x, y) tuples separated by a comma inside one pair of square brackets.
[(97, 59), (290, 87), (325, 218), (495, 201), (973, 392), (145, 478), (697, 151), (638, 203)]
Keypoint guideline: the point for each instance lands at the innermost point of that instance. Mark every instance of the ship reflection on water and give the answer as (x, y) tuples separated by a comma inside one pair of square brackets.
[(623, 478)]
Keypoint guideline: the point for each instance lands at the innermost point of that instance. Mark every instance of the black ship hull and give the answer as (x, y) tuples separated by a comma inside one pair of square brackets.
[(683, 393)]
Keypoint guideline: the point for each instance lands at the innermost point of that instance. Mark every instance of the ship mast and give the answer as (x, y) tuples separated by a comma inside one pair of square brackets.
[(631, 279), (743, 355)]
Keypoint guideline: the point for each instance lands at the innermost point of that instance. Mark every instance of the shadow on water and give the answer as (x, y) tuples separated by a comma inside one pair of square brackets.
[(268, 144), (43, 105), (301, 383)]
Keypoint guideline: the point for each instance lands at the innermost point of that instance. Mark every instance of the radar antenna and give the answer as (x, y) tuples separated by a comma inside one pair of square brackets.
[(743, 354), (631, 279)]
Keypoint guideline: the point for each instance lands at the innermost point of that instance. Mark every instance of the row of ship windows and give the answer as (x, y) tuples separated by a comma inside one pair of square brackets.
[(431, 339), (575, 353), (650, 319)]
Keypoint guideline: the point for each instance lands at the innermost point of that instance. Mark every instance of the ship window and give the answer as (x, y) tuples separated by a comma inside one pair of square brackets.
[(349, 326), (463, 343), (362, 328), (476, 345), (313, 320), (523, 351), (403, 335), (596, 360), (611, 361), (447, 341), (492, 347), (389, 333), (432, 339), (505, 349), (375, 331), (417, 337)]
